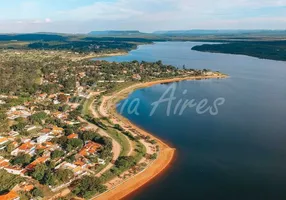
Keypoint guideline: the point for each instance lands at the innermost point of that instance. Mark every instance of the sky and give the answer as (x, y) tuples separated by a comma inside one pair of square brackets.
[(82, 16)]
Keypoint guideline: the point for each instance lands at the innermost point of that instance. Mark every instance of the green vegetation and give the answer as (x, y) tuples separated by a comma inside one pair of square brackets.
[(124, 163), (38, 117), (44, 95), (46, 174), (8, 181), (86, 105), (274, 50), (88, 186), (121, 139), (70, 43), (57, 154), (3, 121), (37, 192), (21, 159)]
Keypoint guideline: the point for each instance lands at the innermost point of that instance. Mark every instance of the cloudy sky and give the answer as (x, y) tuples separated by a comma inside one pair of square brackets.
[(80, 16)]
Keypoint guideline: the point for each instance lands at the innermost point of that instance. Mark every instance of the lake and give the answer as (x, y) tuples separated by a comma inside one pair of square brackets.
[(239, 153)]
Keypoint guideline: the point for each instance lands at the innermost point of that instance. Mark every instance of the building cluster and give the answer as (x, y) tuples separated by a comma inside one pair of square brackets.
[(41, 141)]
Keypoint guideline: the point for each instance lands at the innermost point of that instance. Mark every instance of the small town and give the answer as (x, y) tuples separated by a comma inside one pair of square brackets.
[(60, 134), (142, 100)]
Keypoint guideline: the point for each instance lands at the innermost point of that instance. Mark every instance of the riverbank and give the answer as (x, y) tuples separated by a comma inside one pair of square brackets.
[(166, 154)]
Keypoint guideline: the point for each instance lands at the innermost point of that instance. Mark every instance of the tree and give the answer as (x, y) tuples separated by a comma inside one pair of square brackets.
[(37, 192), (125, 162), (89, 135), (3, 121), (57, 154), (88, 186), (19, 126), (10, 147), (64, 108), (38, 117), (62, 98), (49, 178), (8, 181), (21, 159), (64, 175), (153, 156), (50, 164), (68, 131), (75, 143), (118, 127), (62, 141), (39, 172)]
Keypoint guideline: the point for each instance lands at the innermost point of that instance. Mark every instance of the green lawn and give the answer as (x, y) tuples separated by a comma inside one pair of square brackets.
[(86, 105), (121, 139)]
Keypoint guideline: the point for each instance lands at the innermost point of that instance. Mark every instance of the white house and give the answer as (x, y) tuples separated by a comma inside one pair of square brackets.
[(101, 161), (3, 140), (44, 138), (13, 170)]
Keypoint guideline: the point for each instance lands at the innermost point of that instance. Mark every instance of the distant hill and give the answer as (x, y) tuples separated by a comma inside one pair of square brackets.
[(31, 37), (115, 33), (220, 32)]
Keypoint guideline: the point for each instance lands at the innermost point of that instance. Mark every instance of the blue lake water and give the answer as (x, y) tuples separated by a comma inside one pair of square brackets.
[(239, 153)]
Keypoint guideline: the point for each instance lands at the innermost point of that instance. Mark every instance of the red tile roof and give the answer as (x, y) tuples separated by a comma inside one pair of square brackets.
[(9, 196)]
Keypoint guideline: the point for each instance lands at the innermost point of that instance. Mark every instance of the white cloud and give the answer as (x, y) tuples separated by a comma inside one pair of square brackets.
[(101, 10), (48, 20), (149, 15)]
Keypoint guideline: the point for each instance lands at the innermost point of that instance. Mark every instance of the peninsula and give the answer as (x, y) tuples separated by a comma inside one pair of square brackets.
[(61, 136)]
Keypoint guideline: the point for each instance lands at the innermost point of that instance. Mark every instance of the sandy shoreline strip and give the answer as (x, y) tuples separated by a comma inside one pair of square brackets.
[(166, 154), (101, 55)]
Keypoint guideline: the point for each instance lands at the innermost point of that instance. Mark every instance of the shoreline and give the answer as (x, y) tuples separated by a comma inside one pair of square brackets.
[(103, 55), (166, 155)]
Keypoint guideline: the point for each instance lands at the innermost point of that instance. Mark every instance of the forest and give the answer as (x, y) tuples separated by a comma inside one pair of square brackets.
[(273, 50)]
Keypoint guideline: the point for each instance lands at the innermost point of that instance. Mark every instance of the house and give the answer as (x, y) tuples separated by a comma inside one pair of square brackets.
[(46, 131), (28, 188), (73, 136), (44, 138), (3, 96), (15, 144), (57, 130), (4, 163), (42, 96), (60, 115), (80, 163), (13, 170), (89, 149), (39, 160), (47, 148), (136, 77), (208, 73), (82, 74), (18, 111), (72, 122), (56, 102), (13, 133), (76, 169), (3, 140), (101, 161), (27, 148), (46, 145), (47, 112), (10, 196), (30, 127)]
